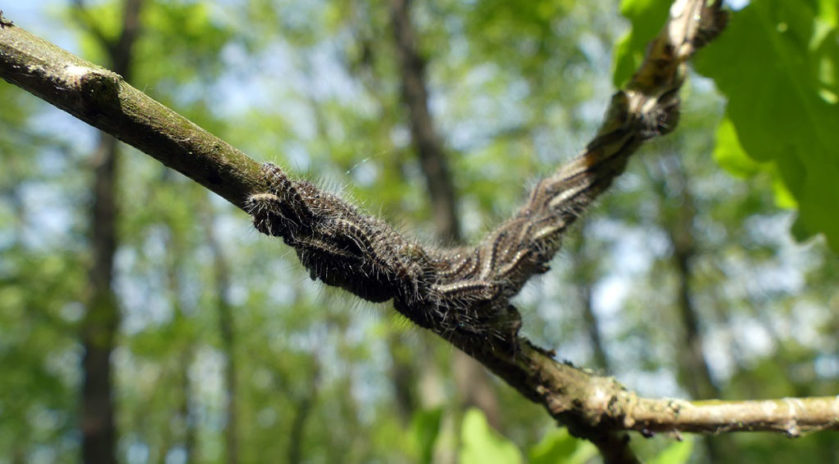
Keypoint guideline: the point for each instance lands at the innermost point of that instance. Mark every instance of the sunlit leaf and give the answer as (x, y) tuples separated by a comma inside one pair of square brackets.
[(558, 446), (425, 427), (482, 445), (776, 63), (677, 453), (645, 18)]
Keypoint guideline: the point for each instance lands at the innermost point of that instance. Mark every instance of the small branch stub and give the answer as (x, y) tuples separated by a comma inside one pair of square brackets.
[(4, 23)]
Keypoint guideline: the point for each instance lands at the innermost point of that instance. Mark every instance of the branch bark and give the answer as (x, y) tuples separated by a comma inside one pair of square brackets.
[(104, 100), (590, 405)]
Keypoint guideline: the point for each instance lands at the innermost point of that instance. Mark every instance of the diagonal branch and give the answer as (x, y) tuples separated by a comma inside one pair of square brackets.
[(591, 406), (104, 100)]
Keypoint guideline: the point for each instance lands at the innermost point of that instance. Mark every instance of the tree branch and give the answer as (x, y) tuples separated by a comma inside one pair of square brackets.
[(590, 405), (104, 100)]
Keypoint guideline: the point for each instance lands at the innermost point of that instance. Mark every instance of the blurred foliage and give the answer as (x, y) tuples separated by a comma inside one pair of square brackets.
[(783, 95), (559, 446), (514, 91), (677, 453), (426, 425), (647, 17), (778, 65), (481, 444)]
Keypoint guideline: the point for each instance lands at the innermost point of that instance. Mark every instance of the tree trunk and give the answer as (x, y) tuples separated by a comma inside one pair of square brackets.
[(185, 409), (693, 367), (101, 319), (428, 147), (228, 339), (471, 378), (102, 316), (185, 428), (696, 372), (301, 416), (583, 280)]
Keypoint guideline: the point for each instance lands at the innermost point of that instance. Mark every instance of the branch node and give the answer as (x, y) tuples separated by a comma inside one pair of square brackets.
[(4, 23), (97, 87)]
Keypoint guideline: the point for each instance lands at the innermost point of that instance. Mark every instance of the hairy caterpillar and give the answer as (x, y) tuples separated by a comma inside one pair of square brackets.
[(466, 291)]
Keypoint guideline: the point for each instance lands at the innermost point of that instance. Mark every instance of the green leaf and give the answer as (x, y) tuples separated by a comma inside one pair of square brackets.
[(778, 63), (729, 154), (646, 18), (558, 446), (677, 453), (482, 445), (425, 426)]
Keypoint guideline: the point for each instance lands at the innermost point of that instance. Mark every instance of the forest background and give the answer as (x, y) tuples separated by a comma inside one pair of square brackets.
[(703, 272)]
